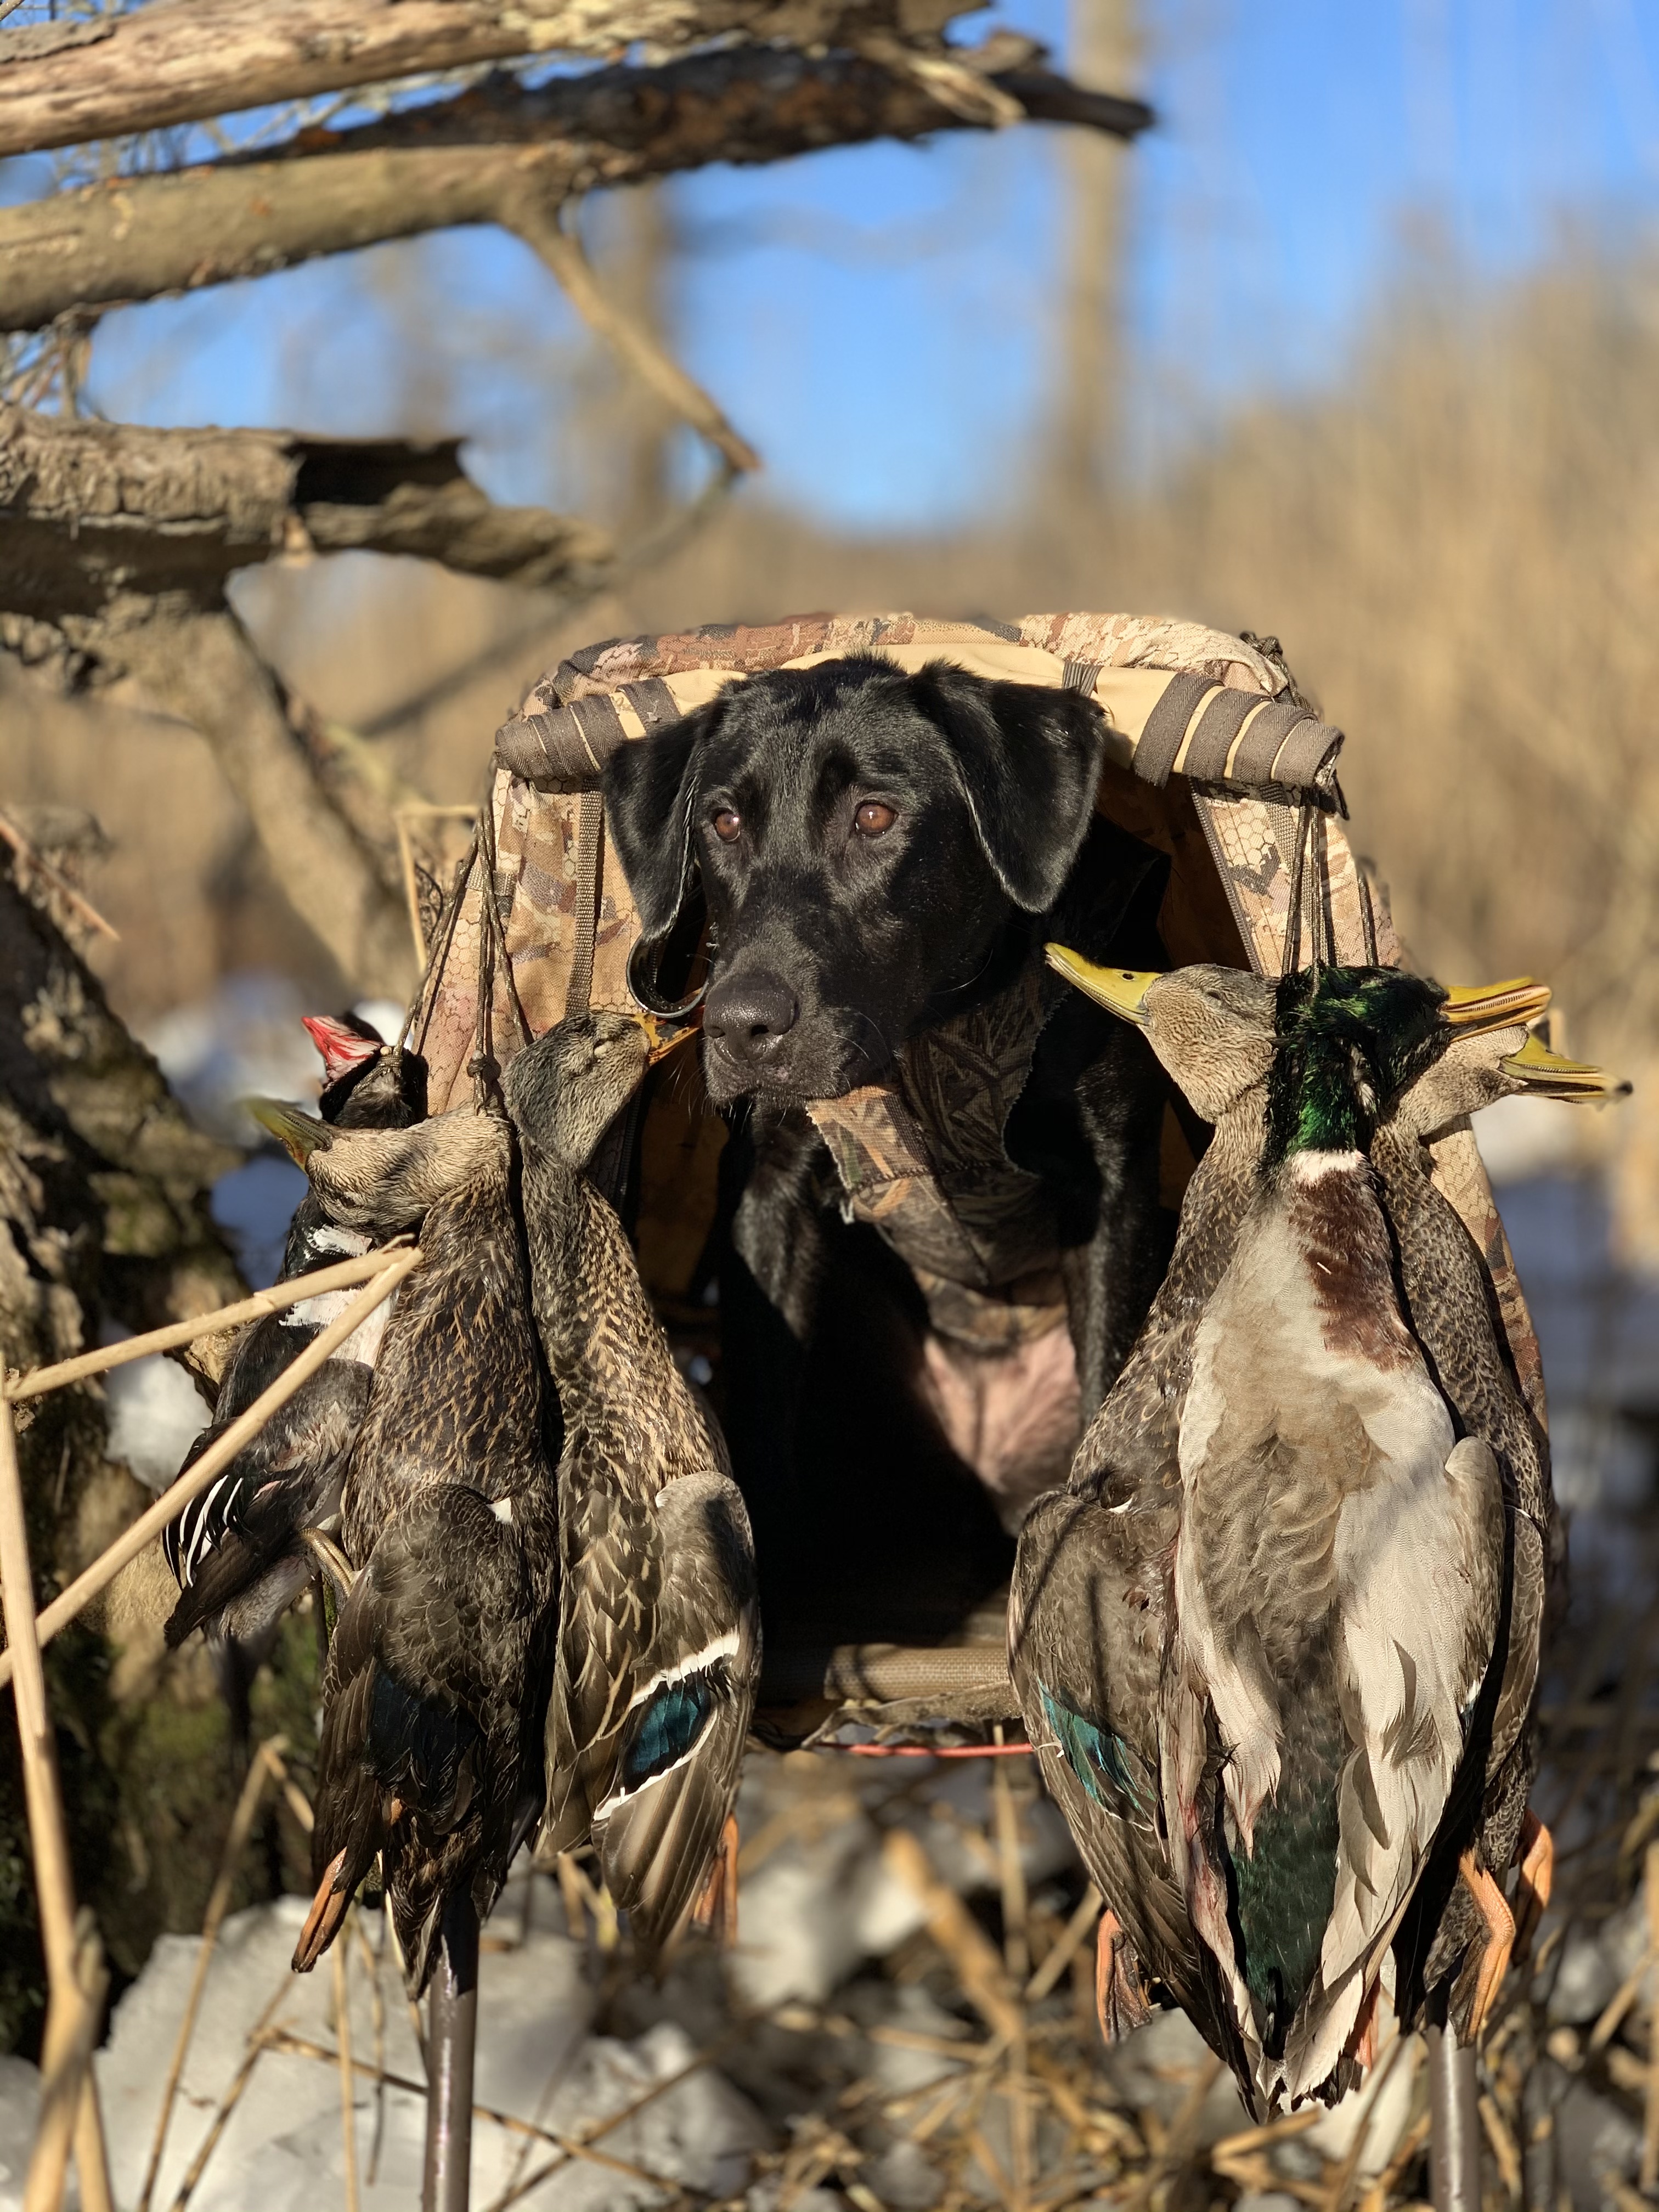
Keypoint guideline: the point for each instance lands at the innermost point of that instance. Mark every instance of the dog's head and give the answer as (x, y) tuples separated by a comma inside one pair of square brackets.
[(863, 838)]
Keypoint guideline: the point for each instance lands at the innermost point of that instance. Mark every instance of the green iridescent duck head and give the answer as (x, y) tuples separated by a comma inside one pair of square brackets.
[(1353, 1039)]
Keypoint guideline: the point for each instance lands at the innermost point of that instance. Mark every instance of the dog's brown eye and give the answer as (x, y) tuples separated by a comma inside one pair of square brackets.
[(872, 819), (728, 826)]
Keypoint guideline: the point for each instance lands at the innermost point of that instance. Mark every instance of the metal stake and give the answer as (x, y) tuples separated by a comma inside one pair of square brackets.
[(1454, 2122), (452, 2038)]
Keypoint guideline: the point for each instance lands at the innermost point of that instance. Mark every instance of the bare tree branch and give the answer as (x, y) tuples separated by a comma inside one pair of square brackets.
[(497, 154), (97, 513), (116, 544), (160, 65), (205, 669), (562, 250)]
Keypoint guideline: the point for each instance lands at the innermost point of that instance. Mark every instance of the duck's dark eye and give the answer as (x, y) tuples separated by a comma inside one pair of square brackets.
[(873, 819), (728, 826)]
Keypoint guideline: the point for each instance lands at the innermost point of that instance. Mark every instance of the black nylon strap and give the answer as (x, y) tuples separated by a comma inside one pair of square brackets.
[(1220, 724), (1166, 725)]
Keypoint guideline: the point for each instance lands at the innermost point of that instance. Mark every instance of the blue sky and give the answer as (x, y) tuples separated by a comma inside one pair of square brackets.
[(878, 319)]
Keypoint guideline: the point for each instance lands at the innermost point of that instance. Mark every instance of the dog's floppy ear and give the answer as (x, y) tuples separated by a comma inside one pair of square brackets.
[(648, 803), (1029, 760)]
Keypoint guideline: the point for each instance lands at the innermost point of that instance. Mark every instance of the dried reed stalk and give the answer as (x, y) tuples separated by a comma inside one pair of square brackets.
[(54, 1886), (213, 1461), (260, 1771), (341, 1276)]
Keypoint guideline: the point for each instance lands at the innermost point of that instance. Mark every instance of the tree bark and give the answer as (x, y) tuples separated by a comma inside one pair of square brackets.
[(116, 547), (101, 519), (104, 1220), (167, 64), (495, 155)]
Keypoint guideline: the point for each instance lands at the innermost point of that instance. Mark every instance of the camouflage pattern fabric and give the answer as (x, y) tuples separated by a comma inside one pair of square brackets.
[(1210, 755)]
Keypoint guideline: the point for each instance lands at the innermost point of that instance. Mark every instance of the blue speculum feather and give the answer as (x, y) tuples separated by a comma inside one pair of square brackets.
[(1098, 1757), (666, 1727)]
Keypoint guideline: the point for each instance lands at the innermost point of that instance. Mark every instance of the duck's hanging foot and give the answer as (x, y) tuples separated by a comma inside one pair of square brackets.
[(331, 1560), (716, 1908), (1535, 1855), (328, 1909), (1121, 2001), (1362, 2042), (1493, 1908)]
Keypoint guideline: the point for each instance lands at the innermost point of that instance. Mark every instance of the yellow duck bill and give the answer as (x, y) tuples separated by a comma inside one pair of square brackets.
[(1122, 991), (1473, 1007), (666, 1033), (298, 1133), (1546, 1074)]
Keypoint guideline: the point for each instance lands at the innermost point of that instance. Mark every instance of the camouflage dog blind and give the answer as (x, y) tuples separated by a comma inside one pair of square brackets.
[(1212, 757)]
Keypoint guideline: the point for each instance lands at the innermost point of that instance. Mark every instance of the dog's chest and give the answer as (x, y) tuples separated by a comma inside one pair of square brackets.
[(920, 1156)]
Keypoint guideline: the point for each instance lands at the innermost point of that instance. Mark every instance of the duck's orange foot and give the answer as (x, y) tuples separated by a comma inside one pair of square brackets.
[(1493, 1908), (1535, 1856), (716, 1908), (1362, 2042), (1121, 2001), (328, 1909)]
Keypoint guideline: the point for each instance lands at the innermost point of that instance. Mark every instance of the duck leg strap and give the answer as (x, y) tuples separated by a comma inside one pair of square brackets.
[(1454, 2122), (450, 2041)]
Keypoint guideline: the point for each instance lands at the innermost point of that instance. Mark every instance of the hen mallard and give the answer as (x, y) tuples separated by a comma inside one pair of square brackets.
[(1273, 1578), (659, 1645), (437, 1673), (1091, 1608), (240, 1552), (1468, 1923)]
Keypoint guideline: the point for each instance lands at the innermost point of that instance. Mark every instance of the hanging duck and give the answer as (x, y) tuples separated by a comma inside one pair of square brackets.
[(437, 1673), (1308, 1406), (1459, 1922), (1091, 1608), (240, 1552), (659, 1648)]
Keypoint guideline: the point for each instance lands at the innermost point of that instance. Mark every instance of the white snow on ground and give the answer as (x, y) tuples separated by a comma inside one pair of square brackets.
[(155, 1414), (283, 2151)]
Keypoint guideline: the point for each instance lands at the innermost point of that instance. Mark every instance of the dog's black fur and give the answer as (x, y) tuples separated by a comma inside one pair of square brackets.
[(838, 932)]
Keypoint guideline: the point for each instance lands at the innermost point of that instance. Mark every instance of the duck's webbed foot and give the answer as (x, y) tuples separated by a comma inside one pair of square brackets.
[(1534, 1854), (716, 1908), (328, 1909), (1494, 1960), (1122, 2004)]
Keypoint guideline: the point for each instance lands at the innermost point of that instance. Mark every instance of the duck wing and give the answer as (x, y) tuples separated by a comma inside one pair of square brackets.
[(422, 1701), (611, 1576), (235, 1552), (1337, 1589), (1088, 1626), (672, 1778)]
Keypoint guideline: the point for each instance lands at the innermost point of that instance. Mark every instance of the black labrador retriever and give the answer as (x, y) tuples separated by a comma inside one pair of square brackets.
[(879, 852)]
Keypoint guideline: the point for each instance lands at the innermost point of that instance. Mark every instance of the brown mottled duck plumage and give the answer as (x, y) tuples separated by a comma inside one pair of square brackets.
[(659, 1645), (437, 1674)]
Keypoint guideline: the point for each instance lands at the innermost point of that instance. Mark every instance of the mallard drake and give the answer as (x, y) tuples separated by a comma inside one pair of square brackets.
[(1091, 1609), (240, 1552), (658, 1646), (1444, 1054), (437, 1673), (1340, 1575)]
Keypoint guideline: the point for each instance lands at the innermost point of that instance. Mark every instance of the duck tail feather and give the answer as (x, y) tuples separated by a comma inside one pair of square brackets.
[(657, 1845)]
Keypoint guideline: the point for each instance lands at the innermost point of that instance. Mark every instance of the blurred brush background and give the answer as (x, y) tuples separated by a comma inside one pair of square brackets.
[(1358, 347)]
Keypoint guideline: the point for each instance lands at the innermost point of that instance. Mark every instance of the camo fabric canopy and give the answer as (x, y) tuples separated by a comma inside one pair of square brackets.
[(1212, 756)]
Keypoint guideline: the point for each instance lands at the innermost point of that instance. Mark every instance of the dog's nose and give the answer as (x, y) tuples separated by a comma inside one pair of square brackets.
[(748, 1014)]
